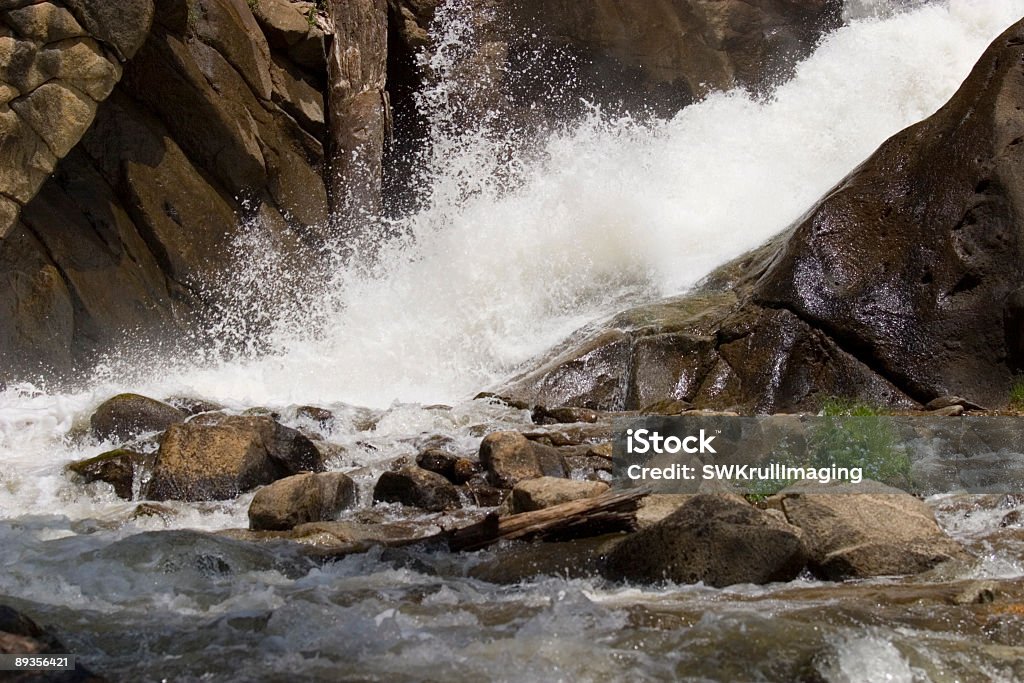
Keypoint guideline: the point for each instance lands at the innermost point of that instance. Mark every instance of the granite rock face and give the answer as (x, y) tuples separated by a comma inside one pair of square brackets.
[(900, 286)]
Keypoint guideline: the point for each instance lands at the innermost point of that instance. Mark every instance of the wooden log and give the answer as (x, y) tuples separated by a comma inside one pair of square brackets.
[(613, 511)]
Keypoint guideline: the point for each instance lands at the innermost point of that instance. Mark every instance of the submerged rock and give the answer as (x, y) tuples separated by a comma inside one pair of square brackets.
[(127, 415), (717, 539), (216, 457), (117, 468), (417, 487), (544, 492), (870, 529), (300, 499)]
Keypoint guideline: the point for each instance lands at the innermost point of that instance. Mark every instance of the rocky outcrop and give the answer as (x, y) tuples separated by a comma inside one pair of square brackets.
[(902, 285), (360, 110), (216, 457), (866, 530), (718, 539), (301, 499), (58, 61), (217, 122)]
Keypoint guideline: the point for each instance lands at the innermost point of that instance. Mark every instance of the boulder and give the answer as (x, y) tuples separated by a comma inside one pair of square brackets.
[(509, 457), (880, 292), (221, 456), (300, 499), (417, 487), (713, 538), (126, 416), (117, 468), (453, 468), (543, 492), (865, 530)]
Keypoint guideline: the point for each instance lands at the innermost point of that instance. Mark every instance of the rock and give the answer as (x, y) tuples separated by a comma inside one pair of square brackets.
[(217, 457), (565, 414), (658, 506), (515, 563), (509, 457), (127, 415), (194, 406), (878, 293), (155, 155), (453, 468), (543, 492), (1011, 518), (716, 539), (417, 487), (865, 530), (951, 402), (20, 635), (117, 468), (300, 499)]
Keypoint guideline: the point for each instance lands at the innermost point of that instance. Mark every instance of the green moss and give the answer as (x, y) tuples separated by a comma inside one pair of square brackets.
[(841, 407), (1017, 395)]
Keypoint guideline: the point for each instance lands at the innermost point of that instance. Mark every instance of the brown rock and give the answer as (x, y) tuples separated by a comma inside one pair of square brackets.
[(300, 499), (718, 539), (417, 487), (219, 457), (509, 457), (543, 492), (117, 468), (859, 531), (127, 415)]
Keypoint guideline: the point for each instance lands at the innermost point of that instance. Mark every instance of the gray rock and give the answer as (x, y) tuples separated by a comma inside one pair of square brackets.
[(300, 499), (718, 539)]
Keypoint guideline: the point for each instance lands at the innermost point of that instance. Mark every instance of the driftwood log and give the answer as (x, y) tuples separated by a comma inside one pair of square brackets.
[(576, 519)]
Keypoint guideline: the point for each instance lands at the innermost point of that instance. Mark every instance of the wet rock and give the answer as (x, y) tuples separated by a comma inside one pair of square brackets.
[(194, 406), (1012, 518), (20, 635), (300, 499), (878, 292), (321, 416), (867, 529), (568, 559), (543, 492), (215, 457), (718, 539), (127, 415), (143, 510), (482, 494), (509, 457), (117, 468), (452, 467), (563, 415), (417, 487), (952, 401)]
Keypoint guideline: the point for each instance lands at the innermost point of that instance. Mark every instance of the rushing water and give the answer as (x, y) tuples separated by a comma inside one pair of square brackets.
[(487, 275)]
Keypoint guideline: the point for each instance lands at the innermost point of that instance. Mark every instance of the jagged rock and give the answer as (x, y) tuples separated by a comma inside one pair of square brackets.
[(718, 539), (509, 457), (543, 492), (117, 468), (867, 529), (127, 415), (301, 499), (878, 293), (417, 487), (215, 457)]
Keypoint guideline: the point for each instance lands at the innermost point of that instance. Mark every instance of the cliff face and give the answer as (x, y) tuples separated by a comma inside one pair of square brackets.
[(904, 284), (137, 137)]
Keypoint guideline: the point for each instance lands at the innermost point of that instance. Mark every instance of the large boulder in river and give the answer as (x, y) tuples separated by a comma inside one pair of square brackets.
[(301, 499), (217, 457), (127, 415), (715, 538), (868, 529), (902, 285)]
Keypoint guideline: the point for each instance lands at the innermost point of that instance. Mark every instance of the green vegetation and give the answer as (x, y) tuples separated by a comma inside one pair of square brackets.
[(857, 435), (1017, 395), (253, 4)]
